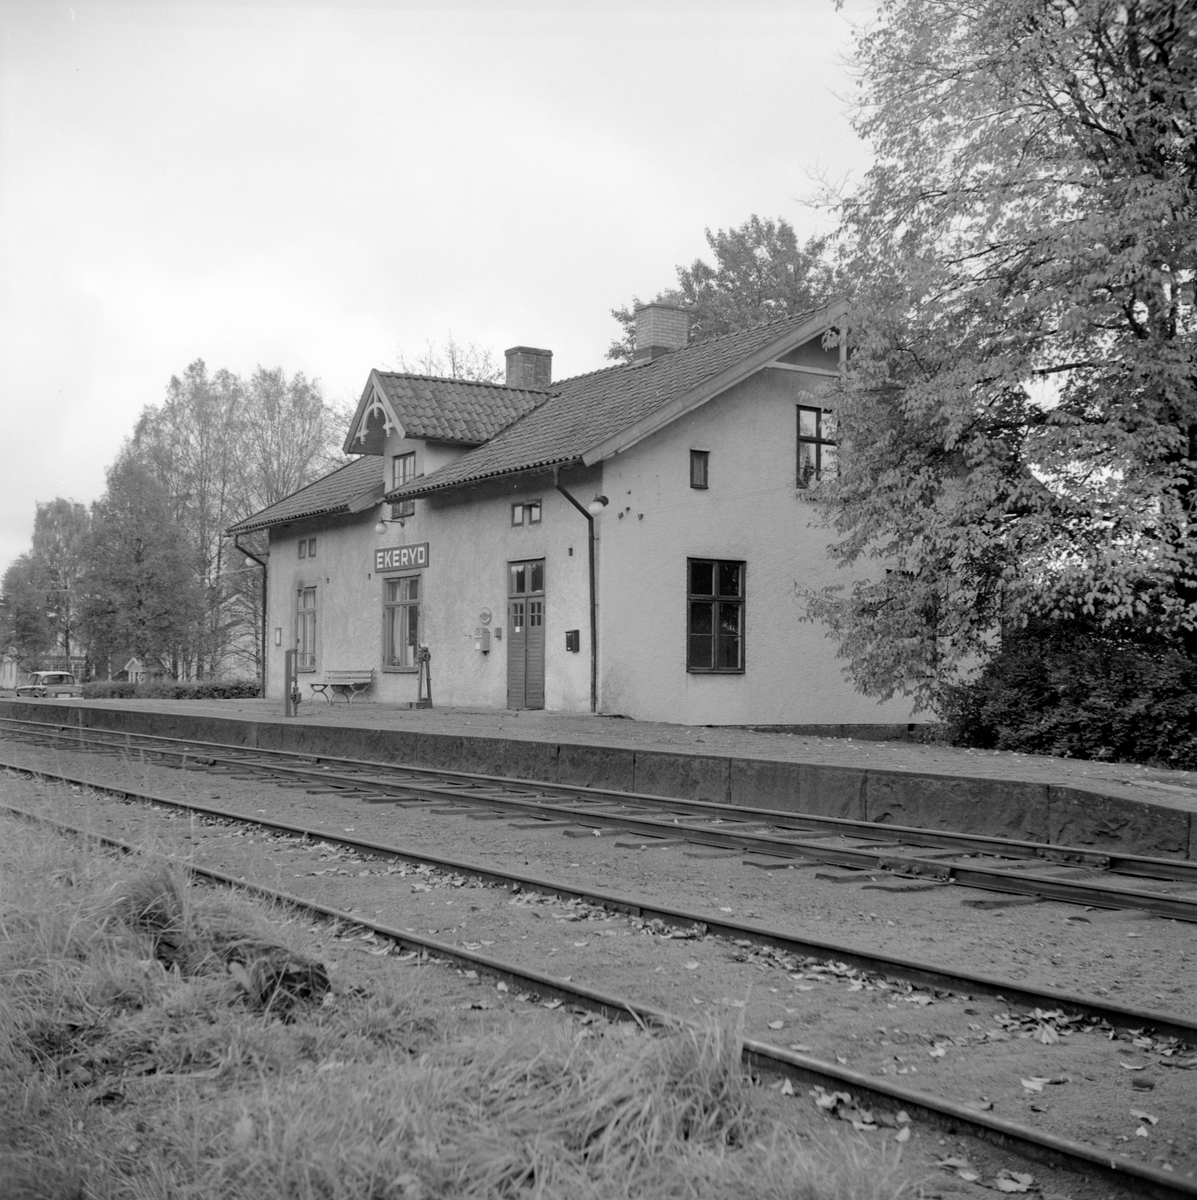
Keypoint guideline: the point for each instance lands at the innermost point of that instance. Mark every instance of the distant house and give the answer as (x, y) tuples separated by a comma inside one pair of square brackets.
[(635, 540), (135, 671)]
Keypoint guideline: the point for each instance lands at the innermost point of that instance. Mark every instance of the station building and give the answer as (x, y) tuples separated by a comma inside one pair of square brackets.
[(631, 541)]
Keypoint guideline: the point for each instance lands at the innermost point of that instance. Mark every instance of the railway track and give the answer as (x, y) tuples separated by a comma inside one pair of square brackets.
[(921, 974), (1163, 887), (884, 1094)]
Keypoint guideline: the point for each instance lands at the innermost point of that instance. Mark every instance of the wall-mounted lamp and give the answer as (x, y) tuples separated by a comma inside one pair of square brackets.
[(597, 505), (383, 522)]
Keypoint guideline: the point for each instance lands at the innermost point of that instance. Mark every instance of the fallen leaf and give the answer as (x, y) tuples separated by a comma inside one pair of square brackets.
[(776, 1024), (1142, 1131), (1034, 1084), (500, 986), (692, 966), (903, 1134), (800, 1047), (979, 1105), (937, 1051), (1013, 1181), (1131, 1066), (1138, 1112), (787, 1088)]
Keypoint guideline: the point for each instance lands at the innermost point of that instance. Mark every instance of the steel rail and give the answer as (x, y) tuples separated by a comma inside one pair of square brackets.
[(993, 879), (910, 970), (944, 1114), (380, 776)]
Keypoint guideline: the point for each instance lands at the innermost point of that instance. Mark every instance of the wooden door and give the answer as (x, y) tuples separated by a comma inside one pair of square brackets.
[(525, 634)]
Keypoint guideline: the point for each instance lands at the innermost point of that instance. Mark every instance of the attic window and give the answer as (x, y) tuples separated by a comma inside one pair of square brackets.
[(699, 465), (403, 470), (816, 445)]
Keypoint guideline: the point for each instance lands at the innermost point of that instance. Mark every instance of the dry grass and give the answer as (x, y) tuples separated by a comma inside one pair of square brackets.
[(163, 1041)]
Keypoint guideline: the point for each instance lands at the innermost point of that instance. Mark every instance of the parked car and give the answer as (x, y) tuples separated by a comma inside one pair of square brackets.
[(50, 683)]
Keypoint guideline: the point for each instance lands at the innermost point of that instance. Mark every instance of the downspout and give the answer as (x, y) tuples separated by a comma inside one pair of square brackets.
[(593, 597), (261, 563)]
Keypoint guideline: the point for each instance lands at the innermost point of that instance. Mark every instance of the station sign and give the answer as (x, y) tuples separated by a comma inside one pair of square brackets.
[(401, 558)]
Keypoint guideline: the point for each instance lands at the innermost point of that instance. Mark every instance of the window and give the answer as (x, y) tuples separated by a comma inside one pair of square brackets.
[(715, 620), (401, 623), (699, 461), (305, 628), (816, 445), (403, 470), (303, 547), (526, 514), (311, 547)]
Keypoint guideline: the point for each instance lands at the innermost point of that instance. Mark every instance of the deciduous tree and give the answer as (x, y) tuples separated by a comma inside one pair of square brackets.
[(142, 595), (1019, 422), (60, 530), (24, 631), (761, 272)]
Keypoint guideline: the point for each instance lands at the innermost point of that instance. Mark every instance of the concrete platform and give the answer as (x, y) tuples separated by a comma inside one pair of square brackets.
[(1064, 801)]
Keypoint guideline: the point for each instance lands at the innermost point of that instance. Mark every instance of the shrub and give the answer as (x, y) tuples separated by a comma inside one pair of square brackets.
[(1071, 688), (171, 689)]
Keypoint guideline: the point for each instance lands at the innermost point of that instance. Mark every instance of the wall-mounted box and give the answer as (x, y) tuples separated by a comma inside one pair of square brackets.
[(482, 639), (573, 640)]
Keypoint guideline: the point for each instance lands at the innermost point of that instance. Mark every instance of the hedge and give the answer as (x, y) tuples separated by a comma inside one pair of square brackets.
[(1069, 688), (170, 689)]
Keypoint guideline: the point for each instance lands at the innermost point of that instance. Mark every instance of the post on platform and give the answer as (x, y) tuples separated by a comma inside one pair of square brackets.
[(291, 696)]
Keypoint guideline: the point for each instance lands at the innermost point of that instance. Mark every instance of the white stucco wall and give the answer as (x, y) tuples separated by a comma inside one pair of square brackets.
[(752, 512), (471, 541)]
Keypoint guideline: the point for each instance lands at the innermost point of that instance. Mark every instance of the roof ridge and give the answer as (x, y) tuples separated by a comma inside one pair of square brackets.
[(706, 341), (468, 382)]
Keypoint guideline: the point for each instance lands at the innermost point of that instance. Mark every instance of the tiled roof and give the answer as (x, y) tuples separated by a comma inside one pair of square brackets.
[(455, 410), (334, 493), (589, 409)]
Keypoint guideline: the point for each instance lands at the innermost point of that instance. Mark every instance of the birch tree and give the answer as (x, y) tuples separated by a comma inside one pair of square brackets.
[(1019, 421)]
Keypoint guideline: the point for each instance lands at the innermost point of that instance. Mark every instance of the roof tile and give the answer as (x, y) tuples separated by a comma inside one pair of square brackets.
[(333, 493), (588, 409), (455, 410)]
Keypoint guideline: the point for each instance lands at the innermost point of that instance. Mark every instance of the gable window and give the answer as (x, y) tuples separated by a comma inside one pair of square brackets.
[(715, 616), (816, 445), (526, 514), (401, 623), (403, 470), (305, 628), (699, 462), (307, 547)]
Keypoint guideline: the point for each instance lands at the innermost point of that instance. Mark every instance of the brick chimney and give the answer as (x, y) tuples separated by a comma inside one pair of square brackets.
[(528, 367), (660, 328)]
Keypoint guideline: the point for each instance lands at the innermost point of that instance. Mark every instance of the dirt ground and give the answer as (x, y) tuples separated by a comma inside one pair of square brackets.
[(1135, 1097)]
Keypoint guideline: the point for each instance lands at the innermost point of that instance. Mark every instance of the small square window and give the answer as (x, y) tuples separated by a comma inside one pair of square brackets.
[(303, 547), (517, 514), (533, 512), (699, 462), (311, 547)]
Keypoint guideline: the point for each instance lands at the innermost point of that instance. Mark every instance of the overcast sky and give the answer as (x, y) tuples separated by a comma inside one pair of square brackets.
[(318, 187)]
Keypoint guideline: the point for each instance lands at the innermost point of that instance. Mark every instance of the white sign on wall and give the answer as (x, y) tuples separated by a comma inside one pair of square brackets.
[(401, 558)]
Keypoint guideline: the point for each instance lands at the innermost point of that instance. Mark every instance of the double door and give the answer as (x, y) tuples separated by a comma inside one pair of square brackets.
[(525, 634)]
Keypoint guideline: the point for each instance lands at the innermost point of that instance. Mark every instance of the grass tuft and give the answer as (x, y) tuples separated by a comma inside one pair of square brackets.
[(160, 1040)]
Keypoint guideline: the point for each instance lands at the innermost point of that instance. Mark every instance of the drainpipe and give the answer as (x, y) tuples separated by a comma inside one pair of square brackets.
[(261, 563), (593, 598)]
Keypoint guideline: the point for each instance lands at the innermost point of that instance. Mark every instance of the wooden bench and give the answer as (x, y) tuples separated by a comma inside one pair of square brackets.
[(343, 683)]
